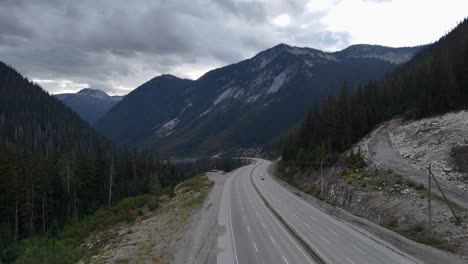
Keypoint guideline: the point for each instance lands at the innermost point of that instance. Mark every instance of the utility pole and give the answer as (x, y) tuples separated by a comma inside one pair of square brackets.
[(429, 200), (445, 198)]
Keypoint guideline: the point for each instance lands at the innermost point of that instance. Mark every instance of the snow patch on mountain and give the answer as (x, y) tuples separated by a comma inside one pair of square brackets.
[(168, 127), (187, 106), (224, 95), (395, 58), (278, 81), (253, 98), (206, 111)]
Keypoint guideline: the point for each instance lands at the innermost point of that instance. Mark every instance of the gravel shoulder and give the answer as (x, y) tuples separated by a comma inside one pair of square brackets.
[(200, 240)]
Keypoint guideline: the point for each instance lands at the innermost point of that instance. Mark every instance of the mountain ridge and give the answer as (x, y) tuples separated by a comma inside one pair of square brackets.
[(90, 104), (216, 111)]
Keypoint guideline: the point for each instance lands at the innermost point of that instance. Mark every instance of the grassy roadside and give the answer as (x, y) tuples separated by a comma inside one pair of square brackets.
[(73, 243)]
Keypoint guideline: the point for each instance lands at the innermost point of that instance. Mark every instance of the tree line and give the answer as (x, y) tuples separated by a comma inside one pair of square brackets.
[(434, 82), (55, 168)]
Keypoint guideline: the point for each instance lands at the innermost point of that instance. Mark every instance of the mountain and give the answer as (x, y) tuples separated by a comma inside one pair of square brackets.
[(55, 167), (90, 104), (434, 82), (244, 105)]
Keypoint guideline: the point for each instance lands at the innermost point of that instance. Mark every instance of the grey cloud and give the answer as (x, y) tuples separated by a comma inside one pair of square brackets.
[(112, 43)]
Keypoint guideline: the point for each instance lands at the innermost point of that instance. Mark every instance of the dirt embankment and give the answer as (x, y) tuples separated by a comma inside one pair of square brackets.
[(441, 141), (156, 236)]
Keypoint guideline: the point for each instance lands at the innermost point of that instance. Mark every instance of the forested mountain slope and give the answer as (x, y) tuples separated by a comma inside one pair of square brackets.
[(435, 81), (244, 105), (55, 167)]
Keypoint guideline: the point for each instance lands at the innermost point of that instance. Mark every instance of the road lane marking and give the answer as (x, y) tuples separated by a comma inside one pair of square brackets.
[(288, 235), (295, 215), (274, 242), (308, 226), (248, 229), (325, 240), (263, 224), (359, 249), (350, 260), (232, 232), (333, 232), (243, 217), (255, 246), (285, 260)]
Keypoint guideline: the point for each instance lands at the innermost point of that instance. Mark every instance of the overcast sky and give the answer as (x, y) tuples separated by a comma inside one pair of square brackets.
[(116, 46)]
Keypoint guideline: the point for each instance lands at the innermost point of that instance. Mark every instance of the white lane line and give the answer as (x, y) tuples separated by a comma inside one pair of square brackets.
[(359, 250), (350, 260), (255, 246), (263, 224), (285, 260), (248, 229), (295, 215), (313, 218), (325, 240), (256, 213), (274, 242), (333, 232), (308, 226), (288, 235), (232, 232), (243, 217)]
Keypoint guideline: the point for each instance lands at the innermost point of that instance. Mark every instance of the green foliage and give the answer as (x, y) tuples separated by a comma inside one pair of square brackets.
[(355, 161), (66, 248), (420, 234), (411, 113)]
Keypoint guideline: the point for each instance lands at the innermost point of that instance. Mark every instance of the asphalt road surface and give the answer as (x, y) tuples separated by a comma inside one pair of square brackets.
[(254, 233)]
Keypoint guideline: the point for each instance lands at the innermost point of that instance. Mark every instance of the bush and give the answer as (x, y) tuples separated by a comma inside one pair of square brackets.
[(355, 161), (412, 113)]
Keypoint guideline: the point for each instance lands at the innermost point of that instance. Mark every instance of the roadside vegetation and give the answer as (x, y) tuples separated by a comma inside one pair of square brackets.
[(71, 244)]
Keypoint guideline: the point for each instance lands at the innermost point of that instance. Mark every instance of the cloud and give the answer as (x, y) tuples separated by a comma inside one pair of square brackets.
[(282, 20), (116, 46)]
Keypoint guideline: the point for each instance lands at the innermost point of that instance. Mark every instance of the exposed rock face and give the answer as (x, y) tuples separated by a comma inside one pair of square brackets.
[(433, 141), (246, 105)]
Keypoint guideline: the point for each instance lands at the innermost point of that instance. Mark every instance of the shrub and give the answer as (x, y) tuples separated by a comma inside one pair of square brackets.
[(355, 161)]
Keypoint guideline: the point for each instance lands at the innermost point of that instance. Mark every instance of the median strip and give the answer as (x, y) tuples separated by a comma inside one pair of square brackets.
[(309, 248)]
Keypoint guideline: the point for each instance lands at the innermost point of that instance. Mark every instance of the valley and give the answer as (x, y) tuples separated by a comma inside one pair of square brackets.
[(282, 132)]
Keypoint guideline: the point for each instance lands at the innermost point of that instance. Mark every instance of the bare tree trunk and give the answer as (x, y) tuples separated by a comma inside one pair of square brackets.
[(16, 221), (75, 210), (68, 189), (31, 219), (43, 214), (110, 181)]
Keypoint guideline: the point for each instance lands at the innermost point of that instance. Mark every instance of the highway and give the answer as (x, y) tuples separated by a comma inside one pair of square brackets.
[(291, 231)]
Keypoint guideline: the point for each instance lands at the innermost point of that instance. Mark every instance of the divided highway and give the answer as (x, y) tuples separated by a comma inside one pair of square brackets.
[(291, 231)]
